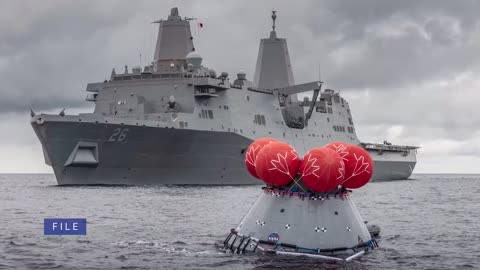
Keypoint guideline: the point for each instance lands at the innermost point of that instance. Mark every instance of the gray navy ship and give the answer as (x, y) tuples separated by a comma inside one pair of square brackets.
[(176, 121)]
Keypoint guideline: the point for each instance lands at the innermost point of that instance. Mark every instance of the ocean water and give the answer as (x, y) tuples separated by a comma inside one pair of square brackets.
[(429, 222)]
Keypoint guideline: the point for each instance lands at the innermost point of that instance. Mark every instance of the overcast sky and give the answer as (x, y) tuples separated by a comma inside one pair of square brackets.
[(409, 69)]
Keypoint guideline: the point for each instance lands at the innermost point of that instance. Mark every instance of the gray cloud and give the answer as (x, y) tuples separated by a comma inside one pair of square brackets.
[(57, 21), (48, 55), (443, 109), (384, 44)]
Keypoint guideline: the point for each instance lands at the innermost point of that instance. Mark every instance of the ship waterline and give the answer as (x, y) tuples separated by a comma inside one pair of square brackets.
[(94, 152)]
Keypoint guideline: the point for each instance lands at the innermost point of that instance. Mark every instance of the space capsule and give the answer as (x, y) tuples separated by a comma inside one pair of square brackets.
[(305, 208)]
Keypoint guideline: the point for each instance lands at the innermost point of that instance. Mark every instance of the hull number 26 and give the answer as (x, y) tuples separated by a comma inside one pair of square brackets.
[(118, 135)]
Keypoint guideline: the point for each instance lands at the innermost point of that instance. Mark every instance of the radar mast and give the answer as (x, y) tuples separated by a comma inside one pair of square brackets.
[(274, 17)]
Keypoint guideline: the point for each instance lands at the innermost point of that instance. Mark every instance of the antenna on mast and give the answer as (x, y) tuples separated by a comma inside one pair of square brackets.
[(274, 17), (319, 72)]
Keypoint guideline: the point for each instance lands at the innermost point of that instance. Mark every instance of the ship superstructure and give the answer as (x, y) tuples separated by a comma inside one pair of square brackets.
[(176, 121)]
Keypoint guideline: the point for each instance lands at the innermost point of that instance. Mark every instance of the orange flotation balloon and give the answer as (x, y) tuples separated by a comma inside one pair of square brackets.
[(322, 169), (277, 164), (358, 164), (252, 152)]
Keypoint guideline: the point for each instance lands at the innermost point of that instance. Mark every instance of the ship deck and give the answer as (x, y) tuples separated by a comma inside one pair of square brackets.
[(387, 147)]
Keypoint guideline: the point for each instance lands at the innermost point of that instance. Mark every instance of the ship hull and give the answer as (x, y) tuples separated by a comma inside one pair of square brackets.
[(392, 170), (146, 155), (393, 165)]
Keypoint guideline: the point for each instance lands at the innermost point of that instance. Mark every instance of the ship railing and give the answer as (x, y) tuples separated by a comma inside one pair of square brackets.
[(386, 147), (260, 90), (124, 77)]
